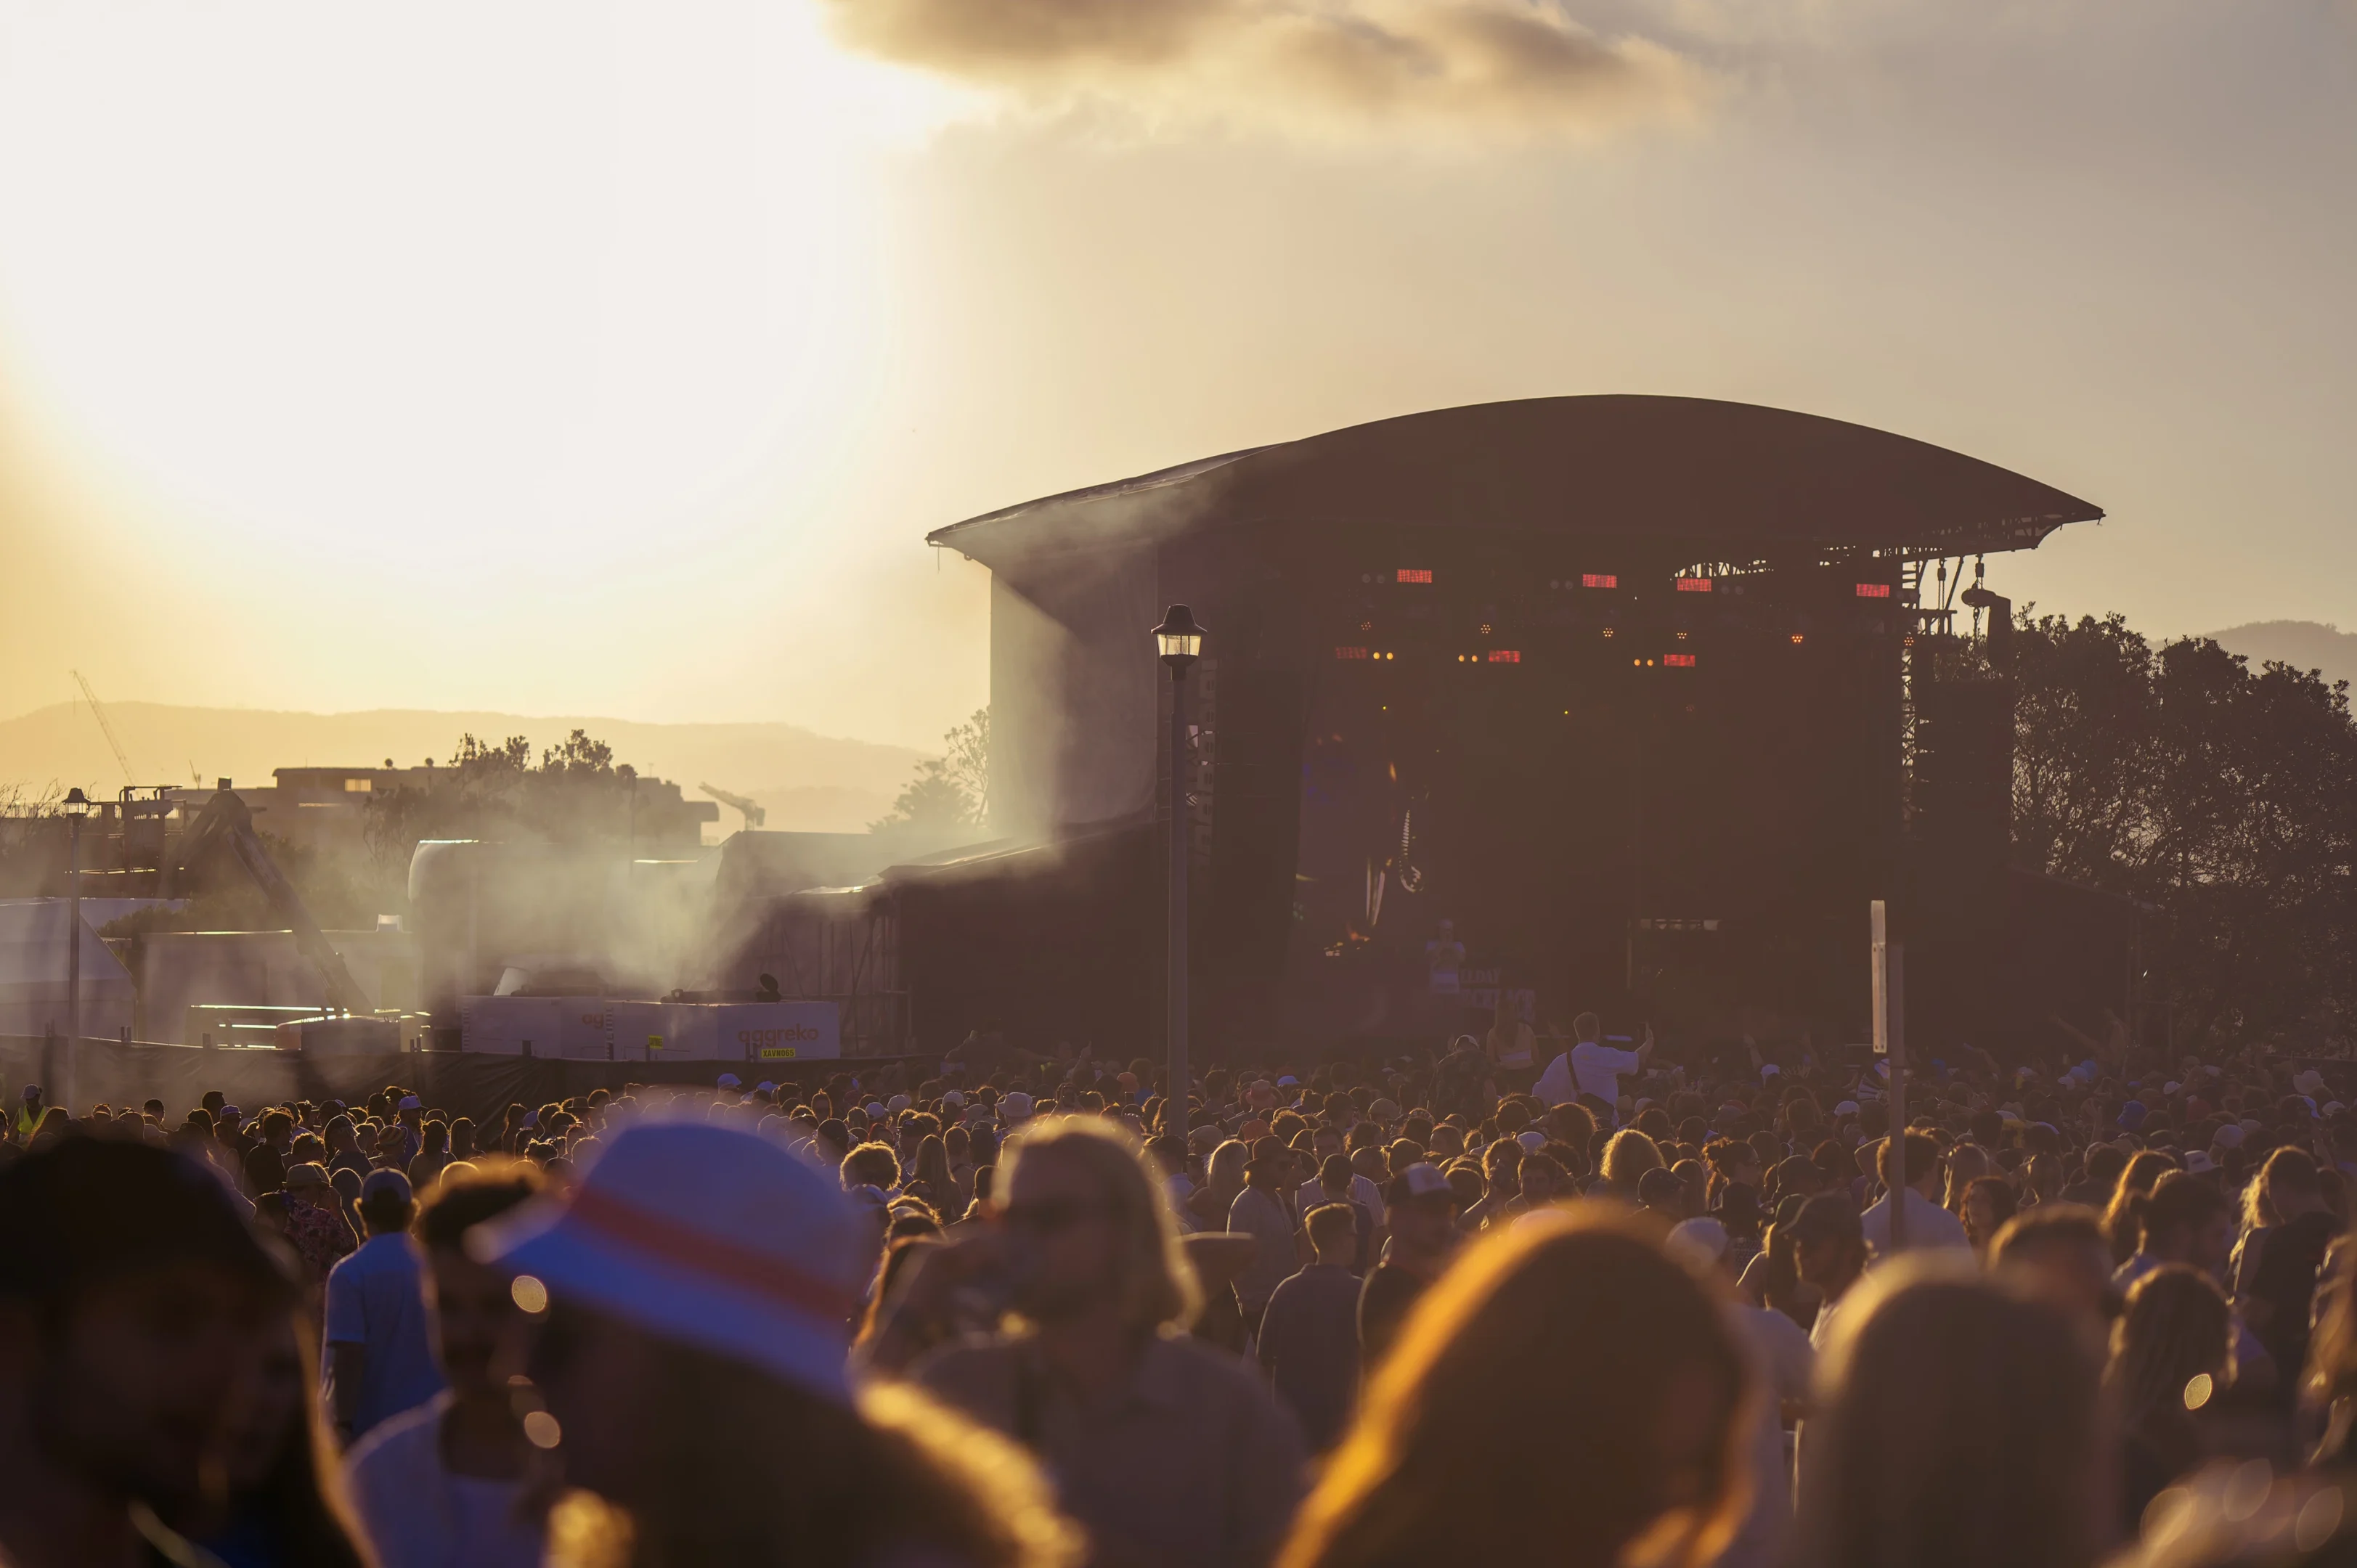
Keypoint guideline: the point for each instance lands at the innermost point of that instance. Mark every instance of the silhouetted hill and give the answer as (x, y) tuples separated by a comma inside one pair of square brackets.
[(808, 781), (2304, 644)]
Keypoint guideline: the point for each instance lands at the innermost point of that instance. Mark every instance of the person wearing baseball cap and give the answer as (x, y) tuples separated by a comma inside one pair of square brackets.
[(695, 1294), (380, 1360), (1829, 1252), (314, 1222), (1420, 1210), (136, 1304), (1260, 1211)]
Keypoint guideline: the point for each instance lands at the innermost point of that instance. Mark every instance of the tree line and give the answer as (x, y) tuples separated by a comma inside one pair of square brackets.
[(2222, 796)]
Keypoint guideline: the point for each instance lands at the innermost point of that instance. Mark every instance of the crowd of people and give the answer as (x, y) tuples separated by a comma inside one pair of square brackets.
[(1522, 1298)]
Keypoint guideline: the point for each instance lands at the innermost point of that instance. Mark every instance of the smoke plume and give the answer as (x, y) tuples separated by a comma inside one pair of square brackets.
[(1517, 67)]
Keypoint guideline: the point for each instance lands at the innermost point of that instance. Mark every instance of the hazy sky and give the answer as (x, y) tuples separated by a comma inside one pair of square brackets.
[(560, 356)]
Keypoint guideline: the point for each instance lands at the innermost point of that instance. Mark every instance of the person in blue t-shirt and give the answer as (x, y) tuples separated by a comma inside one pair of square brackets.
[(379, 1361)]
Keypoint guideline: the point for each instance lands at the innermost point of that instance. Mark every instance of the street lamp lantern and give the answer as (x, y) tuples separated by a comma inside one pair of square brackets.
[(1178, 642), (1178, 638), (76, 804)]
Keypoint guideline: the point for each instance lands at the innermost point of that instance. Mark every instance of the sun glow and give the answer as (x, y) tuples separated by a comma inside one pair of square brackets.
[(400, 287)]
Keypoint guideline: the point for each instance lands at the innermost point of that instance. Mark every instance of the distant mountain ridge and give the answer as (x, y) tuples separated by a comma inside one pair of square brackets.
[(2303, 644), (807, 782)]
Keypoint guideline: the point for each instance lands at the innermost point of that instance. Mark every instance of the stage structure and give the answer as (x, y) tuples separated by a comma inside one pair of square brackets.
[(1639, 694)]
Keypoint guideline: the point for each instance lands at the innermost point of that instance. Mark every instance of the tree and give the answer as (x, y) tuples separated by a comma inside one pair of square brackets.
[(951, 791), (576, 793), (2224, 797)]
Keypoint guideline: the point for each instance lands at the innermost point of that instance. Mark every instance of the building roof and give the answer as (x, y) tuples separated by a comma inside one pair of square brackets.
[(1705, 477)]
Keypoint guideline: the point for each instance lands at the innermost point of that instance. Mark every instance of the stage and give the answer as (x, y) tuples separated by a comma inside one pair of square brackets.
[(1628, 689)]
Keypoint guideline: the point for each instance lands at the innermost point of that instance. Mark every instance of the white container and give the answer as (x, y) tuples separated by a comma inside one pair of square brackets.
[(655, 1032), (752, 1032), (585, 1030), (511, 1025)]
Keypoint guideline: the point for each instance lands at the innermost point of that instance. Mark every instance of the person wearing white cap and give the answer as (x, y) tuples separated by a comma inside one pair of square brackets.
[(1782, 1362), (698, 1286), (409, 1116), (1420, 1211), (1165, 1449)]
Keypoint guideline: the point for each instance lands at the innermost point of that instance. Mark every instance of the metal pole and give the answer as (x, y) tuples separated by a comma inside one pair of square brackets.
[(1890, 1043), (73, 960), (1174, 1104)]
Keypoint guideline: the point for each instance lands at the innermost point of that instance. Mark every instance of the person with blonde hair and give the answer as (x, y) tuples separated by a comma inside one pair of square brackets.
[(2137, 1179), (1223, 1180), (1501, 1431), (1627, 1157), (1164, 1448), (1958, 1423), (1966, 1164)]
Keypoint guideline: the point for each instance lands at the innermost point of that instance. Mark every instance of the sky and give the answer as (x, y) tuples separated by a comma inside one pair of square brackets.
[(560, 357)]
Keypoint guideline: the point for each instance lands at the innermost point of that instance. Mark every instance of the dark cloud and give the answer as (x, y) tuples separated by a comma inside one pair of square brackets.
[(1516, 66)]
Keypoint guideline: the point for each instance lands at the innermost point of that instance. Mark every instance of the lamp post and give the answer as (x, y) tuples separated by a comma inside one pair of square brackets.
[(76, 806), (1179, 642)]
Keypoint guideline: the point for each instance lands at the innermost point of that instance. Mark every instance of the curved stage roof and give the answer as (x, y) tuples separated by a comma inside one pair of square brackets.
[(1730, 480)]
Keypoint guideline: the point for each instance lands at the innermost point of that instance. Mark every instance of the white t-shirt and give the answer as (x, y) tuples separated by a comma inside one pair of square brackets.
[(1780, 1356), (418, 1515), (1927, 1225), (1822, 1331), (1363, 1193), (1588, 1069), (1178, 1189), (1599, 1068)]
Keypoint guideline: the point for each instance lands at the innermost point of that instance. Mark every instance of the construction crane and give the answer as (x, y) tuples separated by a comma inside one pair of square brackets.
[(754, 815), (226, 821), (113, 740)]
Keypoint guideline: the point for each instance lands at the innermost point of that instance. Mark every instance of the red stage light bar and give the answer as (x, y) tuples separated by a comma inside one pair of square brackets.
[(1599, 580), (1350, 653), (1678, 661), (1505, 656), (1694, 584), (1415, 574), (1873, 590)]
